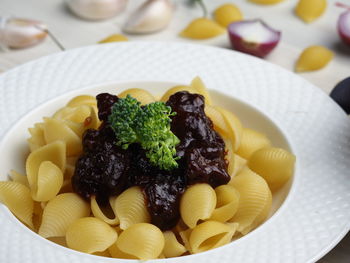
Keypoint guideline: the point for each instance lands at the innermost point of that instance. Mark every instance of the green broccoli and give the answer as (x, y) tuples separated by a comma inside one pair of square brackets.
[(148, 125)]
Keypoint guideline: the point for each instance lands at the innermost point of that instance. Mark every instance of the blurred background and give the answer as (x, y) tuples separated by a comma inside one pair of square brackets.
[(302, 23)]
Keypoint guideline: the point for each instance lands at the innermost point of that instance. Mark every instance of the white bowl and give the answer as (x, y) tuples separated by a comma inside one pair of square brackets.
[(14, 147)]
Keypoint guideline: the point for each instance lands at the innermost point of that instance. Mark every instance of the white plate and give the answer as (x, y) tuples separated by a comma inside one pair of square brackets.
[(316, 214)]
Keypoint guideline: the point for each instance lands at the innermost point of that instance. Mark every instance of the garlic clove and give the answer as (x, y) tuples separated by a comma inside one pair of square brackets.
[(21, 33), (152, 16), (96, 9)]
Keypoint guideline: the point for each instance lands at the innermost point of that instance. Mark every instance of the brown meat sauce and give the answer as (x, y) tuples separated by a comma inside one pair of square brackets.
[(105, 169)]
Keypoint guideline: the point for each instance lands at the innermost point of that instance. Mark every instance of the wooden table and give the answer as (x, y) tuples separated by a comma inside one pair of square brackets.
[(73, 32)]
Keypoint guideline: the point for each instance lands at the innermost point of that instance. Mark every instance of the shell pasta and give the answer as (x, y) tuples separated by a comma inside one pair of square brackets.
[(144, 241), (17, 198), (130, 208), (99, 213), (198, 203), (209, 235), (60, 213), (211, 196), (90, 234), (172, 247)]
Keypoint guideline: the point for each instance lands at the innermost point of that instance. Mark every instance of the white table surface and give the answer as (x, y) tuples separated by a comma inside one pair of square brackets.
[(73, 32)]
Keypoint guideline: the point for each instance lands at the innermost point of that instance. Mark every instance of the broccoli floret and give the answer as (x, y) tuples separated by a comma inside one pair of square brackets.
[(122, 119), (148, 125)]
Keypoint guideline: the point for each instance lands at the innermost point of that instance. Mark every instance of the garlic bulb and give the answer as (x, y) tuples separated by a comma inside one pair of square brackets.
[(96, 9), (21, 33), (152, 16)]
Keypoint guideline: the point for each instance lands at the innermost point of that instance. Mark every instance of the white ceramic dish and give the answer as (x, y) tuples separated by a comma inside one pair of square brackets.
[(314, 216)]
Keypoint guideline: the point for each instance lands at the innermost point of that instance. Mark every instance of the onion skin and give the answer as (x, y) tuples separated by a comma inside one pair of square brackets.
[(259, 49), (343, 27)]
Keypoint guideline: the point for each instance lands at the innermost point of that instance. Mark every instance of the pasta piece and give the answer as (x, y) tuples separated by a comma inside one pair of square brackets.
[(144, 241), (90, 235), (86, 100), (77, 128), (233, 226), (209, 235), (54, 152), (117, 253), (118, 229), (44, 169), (255, 199), (69, 171), (47, 182), (197, 203), (130, 206), (199, 86), (240, 163), (172, 247), (79, 118), (175, 89), (265, 211), (251, 142), (218, 120), (227, 203), (82, 100), (141, 95), (180, 226), (161, 256), (76, 114), (16, 197), (202, 28), (37, 215), (185, 236), (58, 130), (92, 121), (230, 156), (103, 254), (275, 165), (37, 138), (97, 212), (38, 208), (60, 213), (70, 167), (19, 178), (43, 204), (234, 127)]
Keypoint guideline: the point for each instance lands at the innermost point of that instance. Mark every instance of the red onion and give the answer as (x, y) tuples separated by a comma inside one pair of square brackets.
[(344, 27), (253, 37)]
